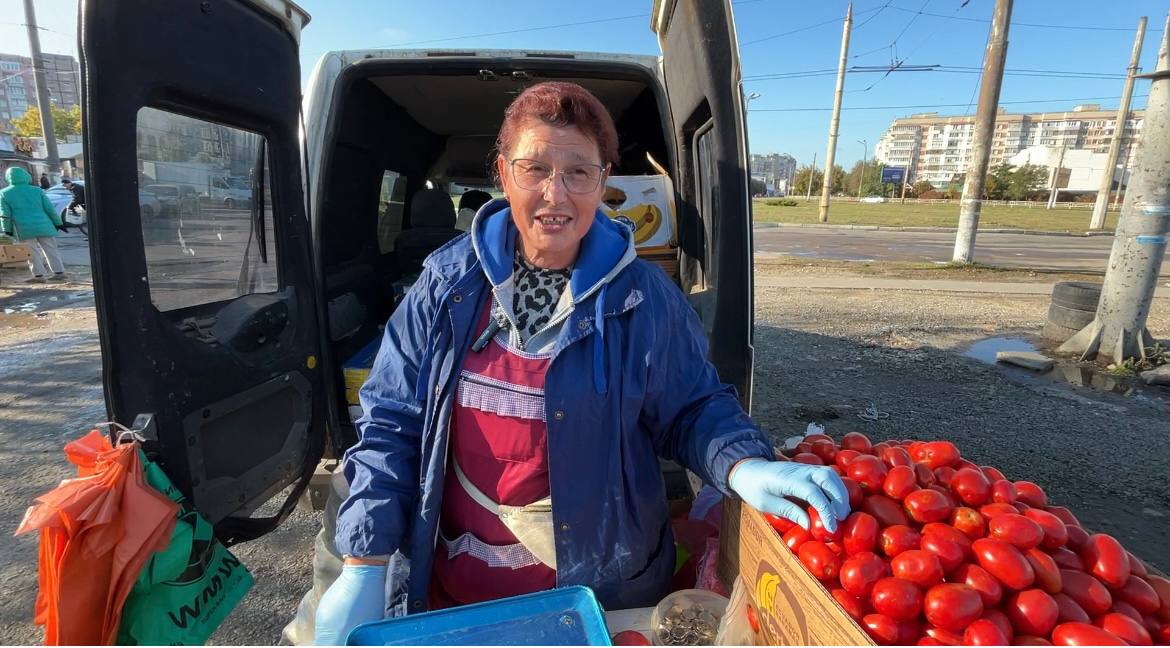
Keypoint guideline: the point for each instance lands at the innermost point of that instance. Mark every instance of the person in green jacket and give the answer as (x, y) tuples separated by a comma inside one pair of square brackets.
[(27, 215)]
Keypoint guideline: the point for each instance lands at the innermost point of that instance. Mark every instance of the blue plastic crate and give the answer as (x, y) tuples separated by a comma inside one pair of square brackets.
[(568, 616)]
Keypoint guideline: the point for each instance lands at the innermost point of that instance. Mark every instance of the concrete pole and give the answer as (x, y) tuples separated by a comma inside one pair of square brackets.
[(827, 183), (1102, 202), (1119, 330), (904, 181), (864, 155), (811, 174), (1121, 178), (972, 202), (1054, 189), (46, 109)]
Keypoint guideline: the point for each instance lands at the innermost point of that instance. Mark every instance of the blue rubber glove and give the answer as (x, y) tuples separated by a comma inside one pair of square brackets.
[(356, 597), (764, 484)]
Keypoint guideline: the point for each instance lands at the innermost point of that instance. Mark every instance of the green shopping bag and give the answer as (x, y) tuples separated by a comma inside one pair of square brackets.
[(187, 590)]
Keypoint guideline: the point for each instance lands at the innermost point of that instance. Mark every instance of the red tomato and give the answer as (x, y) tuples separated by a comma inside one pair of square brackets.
[(1055, 533), (927, 506), (1163, 635), (881, 628), (856, 441), (753, 619), (879, 448), (930, 641), (795, 537), (1087, 591), (896, 456), (860, 532), (1162, 587), (924, 475), (1136, 566), (819, 560), (818, 530), (992, 510), (848, 602), (1016, 530), (951, 533), (1064, 514), (1130, 631), (1031, 494), (1046, 569), (813, 438), (936, 454), (1005, 562), (952, 606), (952, 500), (1003, 491), (859, 573), (919, 567), (887, 512), (898, 538), (1070, 610), (1077, 537), (990, 590), (808, 458), (1032, 612), (1128, 610), (984, 633), (846, 456), (1001, 620), (898, 599), (781, 525), (869, 472), (993, 474), (856, 495), (1083, 634), (837, 469), (1105, 558), (1065, 558), (826, 450), (1140, 594), (909, 632), (943, 475), (969, 522), (803, 446), (971, 486), (900, 482), (945, 637), (949, 552), (635, 638), (1029, 640)]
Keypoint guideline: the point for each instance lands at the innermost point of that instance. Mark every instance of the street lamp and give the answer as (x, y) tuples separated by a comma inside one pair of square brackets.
[(748, 99), (864, 156)]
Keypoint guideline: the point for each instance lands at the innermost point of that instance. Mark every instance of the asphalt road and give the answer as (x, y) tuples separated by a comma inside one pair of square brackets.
[(1089, 253)]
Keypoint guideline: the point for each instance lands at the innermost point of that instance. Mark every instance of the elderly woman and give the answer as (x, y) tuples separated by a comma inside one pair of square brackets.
[(523, 393)]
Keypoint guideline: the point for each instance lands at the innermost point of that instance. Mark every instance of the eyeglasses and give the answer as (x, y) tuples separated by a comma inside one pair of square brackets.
[(578, 179)]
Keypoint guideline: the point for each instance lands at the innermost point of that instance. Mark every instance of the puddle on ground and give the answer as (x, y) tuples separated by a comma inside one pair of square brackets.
[(1083, 376), (985, 350)]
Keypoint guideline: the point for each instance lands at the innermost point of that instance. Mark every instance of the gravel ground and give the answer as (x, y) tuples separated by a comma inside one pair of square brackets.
[(821, 356)]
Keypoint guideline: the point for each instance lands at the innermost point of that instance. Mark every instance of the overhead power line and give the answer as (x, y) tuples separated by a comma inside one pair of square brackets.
[(945, 69), (808, 27), (954, 105), (1015, 23)]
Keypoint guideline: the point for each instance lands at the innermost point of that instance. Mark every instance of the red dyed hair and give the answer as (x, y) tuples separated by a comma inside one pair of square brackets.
[(560, 104)]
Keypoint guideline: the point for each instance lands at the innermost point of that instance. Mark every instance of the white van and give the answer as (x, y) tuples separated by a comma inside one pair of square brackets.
[(223, 340)]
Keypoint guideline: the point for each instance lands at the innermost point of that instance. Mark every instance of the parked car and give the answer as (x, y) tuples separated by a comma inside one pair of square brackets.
[(249, 400), (874, 199)]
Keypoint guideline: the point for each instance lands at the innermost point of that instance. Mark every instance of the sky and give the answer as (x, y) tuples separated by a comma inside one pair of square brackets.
[(795, 39)]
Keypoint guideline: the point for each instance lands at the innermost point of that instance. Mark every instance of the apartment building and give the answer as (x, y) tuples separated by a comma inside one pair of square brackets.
[(775, 169), (18, 90), (937, 148)]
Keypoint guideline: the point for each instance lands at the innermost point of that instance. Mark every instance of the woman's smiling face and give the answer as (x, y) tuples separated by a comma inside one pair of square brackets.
[(550, 219)]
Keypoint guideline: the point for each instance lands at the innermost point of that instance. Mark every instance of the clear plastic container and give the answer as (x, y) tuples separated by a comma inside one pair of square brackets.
[(687, 618)]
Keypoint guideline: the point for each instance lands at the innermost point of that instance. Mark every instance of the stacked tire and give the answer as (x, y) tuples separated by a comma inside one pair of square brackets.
[(1073, 307)]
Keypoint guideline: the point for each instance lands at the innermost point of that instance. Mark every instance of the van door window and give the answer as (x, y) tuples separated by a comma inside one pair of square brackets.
[(707, 188), (207, 239), (391, 201)]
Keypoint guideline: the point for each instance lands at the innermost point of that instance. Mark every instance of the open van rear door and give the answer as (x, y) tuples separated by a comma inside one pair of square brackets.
[(700, 67), (206, 310)]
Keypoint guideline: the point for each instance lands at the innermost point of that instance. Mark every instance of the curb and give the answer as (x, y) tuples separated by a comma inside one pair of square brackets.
[(886, 228)]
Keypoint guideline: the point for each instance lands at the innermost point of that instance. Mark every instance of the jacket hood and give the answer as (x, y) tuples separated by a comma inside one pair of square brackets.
[(17, 176), (608, 246)]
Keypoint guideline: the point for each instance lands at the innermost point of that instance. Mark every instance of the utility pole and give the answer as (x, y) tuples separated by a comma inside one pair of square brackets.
[(1119, 330), (1121, 179), (827, 183), (46, 110), (864, 155), (1102, 202), (811, 174), (904, 181), (1054, 186), (972, 202)]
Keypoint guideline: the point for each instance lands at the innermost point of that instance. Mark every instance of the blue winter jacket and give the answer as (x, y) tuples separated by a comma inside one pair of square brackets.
[(629, 382)]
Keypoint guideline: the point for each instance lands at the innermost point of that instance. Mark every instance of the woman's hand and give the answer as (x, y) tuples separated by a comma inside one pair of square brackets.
[(357, 596), (764, 484)]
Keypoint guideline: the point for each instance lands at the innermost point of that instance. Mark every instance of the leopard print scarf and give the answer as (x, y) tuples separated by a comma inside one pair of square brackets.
[(537, 292)]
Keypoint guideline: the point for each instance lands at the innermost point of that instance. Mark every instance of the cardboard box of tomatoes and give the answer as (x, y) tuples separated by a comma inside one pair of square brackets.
[(937, 550)]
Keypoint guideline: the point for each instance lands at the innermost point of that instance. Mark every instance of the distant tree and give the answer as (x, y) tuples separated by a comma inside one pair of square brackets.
[(1026, 180), (65, 122), (921, 187), (837, 179), (758, 187), (871, 183), (999, 179), (801, 181)]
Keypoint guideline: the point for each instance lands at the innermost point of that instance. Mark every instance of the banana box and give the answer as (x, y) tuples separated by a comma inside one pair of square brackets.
[(357, 369), (793, 608), (646, 204)]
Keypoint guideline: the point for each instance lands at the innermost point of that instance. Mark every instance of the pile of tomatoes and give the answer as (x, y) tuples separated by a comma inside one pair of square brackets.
[(941, 551)]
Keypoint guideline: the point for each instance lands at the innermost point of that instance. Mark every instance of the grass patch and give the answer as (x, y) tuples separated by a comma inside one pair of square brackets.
[(930, 215)]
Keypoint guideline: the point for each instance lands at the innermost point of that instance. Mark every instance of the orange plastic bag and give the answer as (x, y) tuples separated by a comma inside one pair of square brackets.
[(96, 533)]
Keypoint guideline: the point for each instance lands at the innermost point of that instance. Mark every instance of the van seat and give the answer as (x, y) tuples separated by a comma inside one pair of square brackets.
[(432, 223)]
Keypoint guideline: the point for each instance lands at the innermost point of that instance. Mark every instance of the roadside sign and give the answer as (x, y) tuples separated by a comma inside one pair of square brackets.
[(893, 175)]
